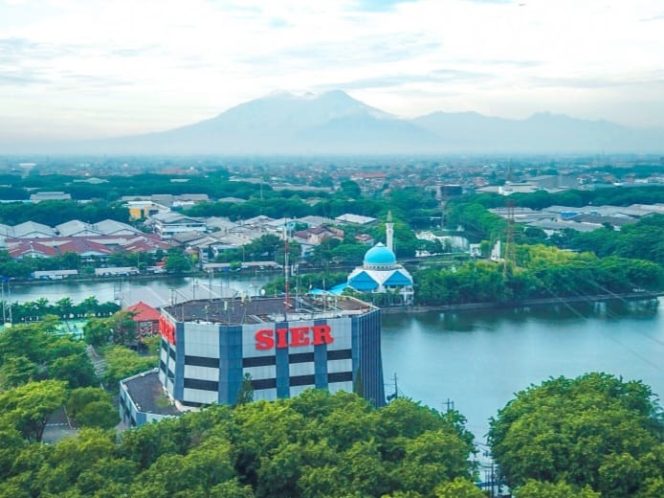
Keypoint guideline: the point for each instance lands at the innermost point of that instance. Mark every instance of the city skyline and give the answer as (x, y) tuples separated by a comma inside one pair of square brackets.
[(71, 69)]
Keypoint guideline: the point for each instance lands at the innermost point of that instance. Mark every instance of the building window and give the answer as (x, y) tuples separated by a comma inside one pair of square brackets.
[(264, 384), (300, 358), (339, 354), (192, 403), (259, 361), (201, 361), (339, 377), (302, 380), (203, 385)]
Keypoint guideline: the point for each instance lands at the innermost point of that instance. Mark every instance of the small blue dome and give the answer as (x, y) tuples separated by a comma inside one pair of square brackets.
[(379, 255)]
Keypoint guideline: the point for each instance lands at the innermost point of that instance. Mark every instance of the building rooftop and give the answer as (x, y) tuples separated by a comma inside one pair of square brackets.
[(144, 312), (148, 394), (239, 311)]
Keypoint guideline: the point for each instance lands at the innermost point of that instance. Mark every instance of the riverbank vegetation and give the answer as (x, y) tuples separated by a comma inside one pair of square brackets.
[(64, 309), (538, 272)]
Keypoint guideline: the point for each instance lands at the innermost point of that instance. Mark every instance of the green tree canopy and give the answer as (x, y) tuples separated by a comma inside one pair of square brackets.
[(595, 430)]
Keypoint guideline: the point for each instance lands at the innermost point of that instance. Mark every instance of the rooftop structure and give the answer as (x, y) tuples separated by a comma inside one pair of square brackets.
[(264, 309)]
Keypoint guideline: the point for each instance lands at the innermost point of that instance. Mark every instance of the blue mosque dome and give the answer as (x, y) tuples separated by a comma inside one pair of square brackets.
[(379, 255)]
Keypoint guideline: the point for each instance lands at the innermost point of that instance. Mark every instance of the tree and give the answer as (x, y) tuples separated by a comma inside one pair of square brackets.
[(92, 407), (458, 488), (177, 262), (120, 328), (350, 189), (122, 362), (594, 430), (97, 332), (537, 489), (246, 393), (76, 369), (102, 414), (28, 407), (16, 371)]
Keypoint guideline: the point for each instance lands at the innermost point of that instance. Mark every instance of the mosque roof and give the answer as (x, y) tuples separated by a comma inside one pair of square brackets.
[(379, 255)]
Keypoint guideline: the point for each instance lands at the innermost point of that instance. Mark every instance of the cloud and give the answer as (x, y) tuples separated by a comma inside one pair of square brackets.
[(161, 63), (378, 5), (435, 76)]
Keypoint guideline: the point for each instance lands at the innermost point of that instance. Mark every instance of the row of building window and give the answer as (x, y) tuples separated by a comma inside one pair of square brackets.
[(262, 361), (297, 380)]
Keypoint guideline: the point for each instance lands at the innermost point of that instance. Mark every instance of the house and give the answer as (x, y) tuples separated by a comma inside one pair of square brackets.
[(315, 221), (144, 243), (220, 224), (312, 237), (315, 236), (140, 209), (50, 196), (53, 274), (167, 224), (365, 239), (146, 319), (355, 219), (116, 271)]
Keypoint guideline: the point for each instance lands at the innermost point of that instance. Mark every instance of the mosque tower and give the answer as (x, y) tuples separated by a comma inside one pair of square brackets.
[(389, 232)]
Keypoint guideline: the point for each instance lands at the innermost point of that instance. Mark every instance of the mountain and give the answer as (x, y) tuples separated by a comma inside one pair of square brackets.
[(283, 123), (541, 132), (335, 123)]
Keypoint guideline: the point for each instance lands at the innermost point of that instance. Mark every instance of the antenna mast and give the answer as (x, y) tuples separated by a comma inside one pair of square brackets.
[(286, 271)]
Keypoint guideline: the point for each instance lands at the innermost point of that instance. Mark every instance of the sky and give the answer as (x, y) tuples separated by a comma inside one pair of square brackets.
[(99, 68)]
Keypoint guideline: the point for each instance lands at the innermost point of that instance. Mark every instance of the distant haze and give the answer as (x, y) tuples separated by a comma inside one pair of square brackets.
[(335, 123)]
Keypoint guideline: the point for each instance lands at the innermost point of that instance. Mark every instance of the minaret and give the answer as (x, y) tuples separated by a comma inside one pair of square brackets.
[(389, 232)]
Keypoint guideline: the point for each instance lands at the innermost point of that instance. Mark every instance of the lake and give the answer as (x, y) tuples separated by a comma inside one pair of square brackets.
[(477, 359)]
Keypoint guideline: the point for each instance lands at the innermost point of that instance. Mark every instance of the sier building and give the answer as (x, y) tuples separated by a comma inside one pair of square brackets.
[(209, 348)]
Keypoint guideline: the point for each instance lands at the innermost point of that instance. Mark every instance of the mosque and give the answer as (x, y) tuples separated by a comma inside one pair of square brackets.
[(380, 273)]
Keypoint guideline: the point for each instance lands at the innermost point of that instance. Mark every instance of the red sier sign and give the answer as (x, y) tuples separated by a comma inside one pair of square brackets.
[(293, 337), (167, 330)]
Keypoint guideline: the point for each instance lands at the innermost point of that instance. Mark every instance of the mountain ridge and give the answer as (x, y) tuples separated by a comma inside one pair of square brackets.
[(336, 123)]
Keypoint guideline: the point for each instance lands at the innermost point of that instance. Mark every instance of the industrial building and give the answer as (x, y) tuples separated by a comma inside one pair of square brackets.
[(282, 346)]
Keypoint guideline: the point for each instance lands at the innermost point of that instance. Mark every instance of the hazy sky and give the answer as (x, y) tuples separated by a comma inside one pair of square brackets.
[(89, 68)]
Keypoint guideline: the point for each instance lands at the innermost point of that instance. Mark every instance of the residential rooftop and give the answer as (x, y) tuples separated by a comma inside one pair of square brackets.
[(148, 394)]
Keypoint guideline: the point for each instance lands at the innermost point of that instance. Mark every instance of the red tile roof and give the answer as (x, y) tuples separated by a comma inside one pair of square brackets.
[(144, 312), (24, 248)]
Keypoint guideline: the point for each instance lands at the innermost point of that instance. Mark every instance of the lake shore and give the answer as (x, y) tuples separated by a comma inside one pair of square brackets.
[(634, 296)]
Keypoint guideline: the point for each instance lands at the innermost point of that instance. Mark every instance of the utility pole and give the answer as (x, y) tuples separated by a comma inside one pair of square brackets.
[(286, 271), (4, 301), (449, 404), (508, 251), (396, 386)]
